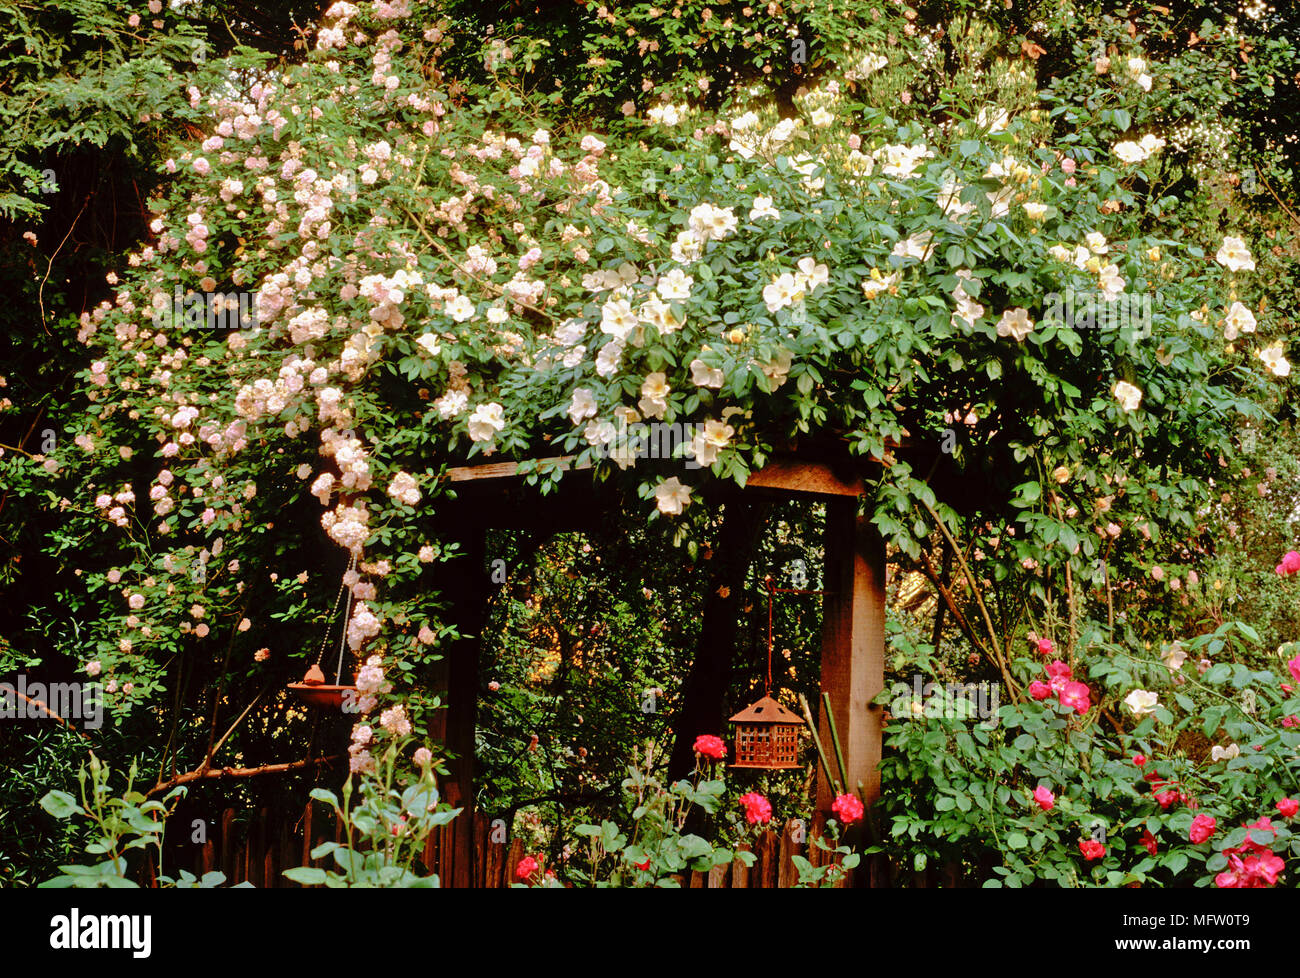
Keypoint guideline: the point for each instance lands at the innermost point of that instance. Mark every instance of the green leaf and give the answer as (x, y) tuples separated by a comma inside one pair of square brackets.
[(307, 875), (60, 804)]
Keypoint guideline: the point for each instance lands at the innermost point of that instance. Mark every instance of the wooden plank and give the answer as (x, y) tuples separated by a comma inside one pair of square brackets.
[(228, 846), (739, 871), (787, 872), (767, 860), (853, 648), (508, 470), (792, 475), (257, 851), (480, 850), (718, 876), (698, 880), (306, 836), (495, 870)]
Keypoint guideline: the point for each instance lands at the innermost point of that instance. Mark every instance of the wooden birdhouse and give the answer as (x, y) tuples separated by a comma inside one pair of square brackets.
[(767, 736)]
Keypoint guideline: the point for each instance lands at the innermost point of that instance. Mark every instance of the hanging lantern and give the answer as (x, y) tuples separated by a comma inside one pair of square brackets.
[(313, 690), (767, 734)]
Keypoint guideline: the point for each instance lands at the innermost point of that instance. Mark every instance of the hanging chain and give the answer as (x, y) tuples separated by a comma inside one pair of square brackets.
[(772, 591), (320, 653)]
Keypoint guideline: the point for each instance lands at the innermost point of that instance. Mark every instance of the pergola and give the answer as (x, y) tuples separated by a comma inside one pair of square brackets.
[(495, 496)]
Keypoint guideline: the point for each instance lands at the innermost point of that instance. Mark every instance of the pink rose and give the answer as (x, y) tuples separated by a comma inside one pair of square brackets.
[(1039, 690), (1202, 828), (711, 746), (1046, 800), (1287, 807), (1077, 696), (758, 809), (1045, 646), (1091, 849)]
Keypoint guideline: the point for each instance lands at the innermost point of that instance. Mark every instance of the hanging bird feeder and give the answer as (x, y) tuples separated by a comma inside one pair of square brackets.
[(313, 690), (767, 734)]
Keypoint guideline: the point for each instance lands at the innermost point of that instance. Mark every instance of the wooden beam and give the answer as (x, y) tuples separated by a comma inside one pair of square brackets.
[(792, 475), (853, 648), (510, 470)]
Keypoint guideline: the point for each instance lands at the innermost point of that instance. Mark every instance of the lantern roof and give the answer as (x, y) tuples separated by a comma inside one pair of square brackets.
[(766, 710)]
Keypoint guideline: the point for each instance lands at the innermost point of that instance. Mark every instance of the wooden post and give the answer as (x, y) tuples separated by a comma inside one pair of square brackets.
[(467, 584), (853, 648)]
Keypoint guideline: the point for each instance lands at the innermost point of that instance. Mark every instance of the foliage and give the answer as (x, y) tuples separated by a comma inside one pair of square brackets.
[(120, 824), (386, 828)]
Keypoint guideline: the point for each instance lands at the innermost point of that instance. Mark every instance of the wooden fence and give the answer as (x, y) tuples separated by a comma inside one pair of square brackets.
[(259, 851)]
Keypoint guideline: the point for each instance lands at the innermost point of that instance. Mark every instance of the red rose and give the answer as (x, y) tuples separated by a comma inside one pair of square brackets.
[(1139, 759), (1039, 690), (1091, 849), (1149, 841), (1202, 828), (757, 808), (711, 746), (1287, 807), (527, 866), (1167, 798), (1045, 646), (848, 808), (643, 866)]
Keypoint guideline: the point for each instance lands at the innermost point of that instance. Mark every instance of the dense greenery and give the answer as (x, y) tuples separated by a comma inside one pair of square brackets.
[(469, 230)]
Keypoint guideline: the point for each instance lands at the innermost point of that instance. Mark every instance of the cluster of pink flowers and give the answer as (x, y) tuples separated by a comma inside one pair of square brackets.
[(848, 808), (758, 810), (1250, 865), (1075, 695), (1290, 564), (708, 745)]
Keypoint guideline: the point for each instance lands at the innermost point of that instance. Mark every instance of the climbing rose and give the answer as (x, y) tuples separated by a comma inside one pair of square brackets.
[(1046, 800), (1039, 690), (710, 746), (1290, 563), (757, 808), (1045, 646), (1287, 807), (1139, 759), (527, 866), (1149, 841), (848, 808), (1091, 849), (1294, 667), (1202, 828)]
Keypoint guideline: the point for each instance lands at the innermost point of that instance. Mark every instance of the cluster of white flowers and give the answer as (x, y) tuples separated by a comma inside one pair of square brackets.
[(485, 421), (362, 626), (1136, 152), (789, 288), (394, 720), (403, 488), (968, 310), (350, 456), (348, 526)]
